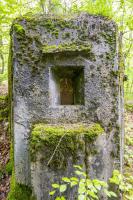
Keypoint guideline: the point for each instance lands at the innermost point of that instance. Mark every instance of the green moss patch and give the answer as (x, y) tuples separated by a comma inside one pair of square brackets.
[(66, 47), (10, 164), (46, 131), (70, 139), (110, 38), (66, 35), (19, 29), (19, 191), (3, 107)]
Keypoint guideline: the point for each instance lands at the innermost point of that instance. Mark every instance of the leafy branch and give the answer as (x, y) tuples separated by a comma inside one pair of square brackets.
[(87, 189)]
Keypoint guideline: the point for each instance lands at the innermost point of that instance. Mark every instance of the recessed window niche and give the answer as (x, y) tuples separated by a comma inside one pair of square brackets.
[(66, 85)]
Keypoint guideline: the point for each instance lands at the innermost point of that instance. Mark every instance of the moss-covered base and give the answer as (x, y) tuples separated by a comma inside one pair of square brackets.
[(3, 108), (68, 140), (9, 165), (19, 191)]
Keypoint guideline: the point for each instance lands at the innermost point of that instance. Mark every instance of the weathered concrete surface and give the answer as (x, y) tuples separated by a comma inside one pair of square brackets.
[(88, 149), (40, 43)]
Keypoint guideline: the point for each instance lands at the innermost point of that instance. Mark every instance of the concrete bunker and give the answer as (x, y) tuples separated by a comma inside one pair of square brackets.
[(65, 82)]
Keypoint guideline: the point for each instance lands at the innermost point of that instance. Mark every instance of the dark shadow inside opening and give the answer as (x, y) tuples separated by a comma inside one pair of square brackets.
[(69, 84)]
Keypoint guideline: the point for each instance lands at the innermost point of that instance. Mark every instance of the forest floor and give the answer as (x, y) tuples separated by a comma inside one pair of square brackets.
[(4, 158), (128, 155), (129, 142), (4, 144), (5, 148)]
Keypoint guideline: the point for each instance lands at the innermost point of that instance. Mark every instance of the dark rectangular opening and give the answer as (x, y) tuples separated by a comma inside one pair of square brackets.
[(67, 85)]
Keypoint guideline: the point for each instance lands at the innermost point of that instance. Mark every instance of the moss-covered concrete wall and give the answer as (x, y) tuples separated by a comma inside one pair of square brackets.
[(40, 43), (55, 149)]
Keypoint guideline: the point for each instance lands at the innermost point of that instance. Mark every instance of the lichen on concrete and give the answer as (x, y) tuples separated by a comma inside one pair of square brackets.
[(67, 47)]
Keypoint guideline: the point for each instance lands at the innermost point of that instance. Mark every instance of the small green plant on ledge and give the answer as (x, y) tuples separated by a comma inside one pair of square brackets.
[(87, 188)]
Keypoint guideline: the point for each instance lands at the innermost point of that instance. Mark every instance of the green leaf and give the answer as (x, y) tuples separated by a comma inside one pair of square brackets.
[(93, 189), (73, 183), (63, 188), (80, 173), (58, 198), (97, 184), (55, 185), (52, 192), (113, 194), (104, 184), (98, 187), (83, 180), (89, 182), (74, 179), (81, 197), (63, 198), (66, 179), (107, 193), (92, 194), (78, 167), (81, 188), (114, 180)]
